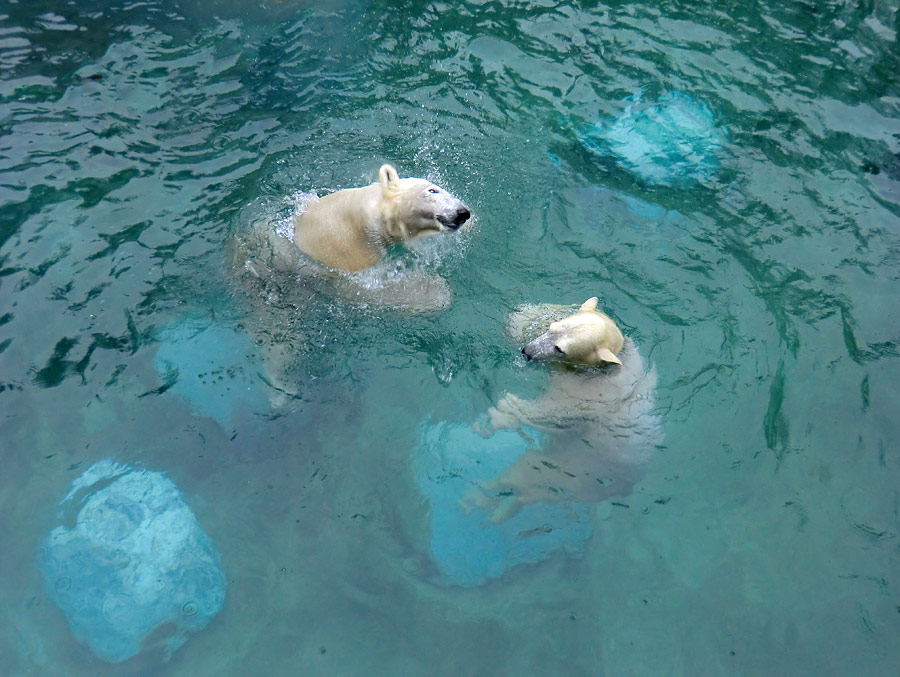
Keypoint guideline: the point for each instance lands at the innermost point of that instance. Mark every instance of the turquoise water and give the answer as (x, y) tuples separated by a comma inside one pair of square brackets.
[(139, 139)]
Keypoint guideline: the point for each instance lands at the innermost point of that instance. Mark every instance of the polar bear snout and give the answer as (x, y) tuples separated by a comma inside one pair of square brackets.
[(541, 348), (453, 220)]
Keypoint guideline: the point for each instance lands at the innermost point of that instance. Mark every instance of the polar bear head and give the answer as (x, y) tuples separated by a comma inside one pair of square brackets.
[(413, 207), (586, 337)]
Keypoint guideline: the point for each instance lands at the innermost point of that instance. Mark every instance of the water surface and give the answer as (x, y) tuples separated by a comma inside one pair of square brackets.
[(136, 139)]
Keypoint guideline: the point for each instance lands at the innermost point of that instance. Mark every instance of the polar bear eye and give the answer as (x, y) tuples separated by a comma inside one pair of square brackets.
[(434, 190), (559, 350)]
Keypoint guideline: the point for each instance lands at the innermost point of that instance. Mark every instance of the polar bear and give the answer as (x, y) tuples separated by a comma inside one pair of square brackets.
[(329, 249), (351, 229), (595, 419), (332, 245)]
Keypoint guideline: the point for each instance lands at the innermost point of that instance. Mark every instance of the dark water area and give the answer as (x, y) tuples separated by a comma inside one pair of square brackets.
[(725, 178)]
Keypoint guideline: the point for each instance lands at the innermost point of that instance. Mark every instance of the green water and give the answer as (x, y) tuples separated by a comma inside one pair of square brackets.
[(764, 537)]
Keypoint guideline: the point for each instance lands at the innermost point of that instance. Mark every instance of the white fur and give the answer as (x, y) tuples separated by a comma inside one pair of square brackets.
[(351, 229), (597, 423)]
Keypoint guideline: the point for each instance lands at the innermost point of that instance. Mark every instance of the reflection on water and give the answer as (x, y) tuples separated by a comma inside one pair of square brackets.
[(138, 139)]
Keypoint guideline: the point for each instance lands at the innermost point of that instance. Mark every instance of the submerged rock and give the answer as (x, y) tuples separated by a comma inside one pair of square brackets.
[(675, 139), (211, 366), (466, 545), (132, 562)]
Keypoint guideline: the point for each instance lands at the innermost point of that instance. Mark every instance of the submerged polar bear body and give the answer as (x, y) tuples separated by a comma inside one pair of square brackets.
[(596, 416), (351, 229)]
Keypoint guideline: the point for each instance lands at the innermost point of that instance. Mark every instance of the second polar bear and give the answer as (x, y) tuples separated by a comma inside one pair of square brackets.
[(351, 229), (596, 417)]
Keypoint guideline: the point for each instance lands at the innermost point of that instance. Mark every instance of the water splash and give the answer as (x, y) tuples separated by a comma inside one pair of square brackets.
[(298, 203)]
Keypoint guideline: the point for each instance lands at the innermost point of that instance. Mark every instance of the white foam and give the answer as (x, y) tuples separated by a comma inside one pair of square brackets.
[(298, 203)]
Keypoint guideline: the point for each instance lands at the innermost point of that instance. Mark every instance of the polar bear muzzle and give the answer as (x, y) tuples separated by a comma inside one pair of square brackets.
[(453, 220)]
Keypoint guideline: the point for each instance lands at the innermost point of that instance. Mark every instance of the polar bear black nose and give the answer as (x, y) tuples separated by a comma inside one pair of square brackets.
[(461, 217), (526, 354), (452, 220)]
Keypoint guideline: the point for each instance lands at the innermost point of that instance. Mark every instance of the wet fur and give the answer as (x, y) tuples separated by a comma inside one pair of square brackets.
[(597, 424), (351, 229)]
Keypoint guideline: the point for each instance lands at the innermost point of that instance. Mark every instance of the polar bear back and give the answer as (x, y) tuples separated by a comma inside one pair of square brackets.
[(337, 229)]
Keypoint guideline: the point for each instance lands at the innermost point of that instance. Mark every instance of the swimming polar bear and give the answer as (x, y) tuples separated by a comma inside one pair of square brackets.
[(352, 229), (339, 240), (595, 419), (329, 249)]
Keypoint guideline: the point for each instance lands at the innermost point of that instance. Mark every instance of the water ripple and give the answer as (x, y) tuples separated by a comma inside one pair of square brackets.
[(135, 138)]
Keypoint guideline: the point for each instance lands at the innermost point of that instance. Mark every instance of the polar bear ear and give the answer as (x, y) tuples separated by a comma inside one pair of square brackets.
[(388, 176), (606, 355), (590, 304)]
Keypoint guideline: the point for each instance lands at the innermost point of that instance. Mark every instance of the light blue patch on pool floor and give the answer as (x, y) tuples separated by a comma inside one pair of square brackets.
[(601, 219), (675, 139), (213, 367), (468, 547), (132, 561)]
